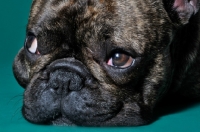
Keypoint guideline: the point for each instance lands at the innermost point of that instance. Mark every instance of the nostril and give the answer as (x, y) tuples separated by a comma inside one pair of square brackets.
[(91, 83), (56, 90), (62, 81), (69, 74), (75, 83)]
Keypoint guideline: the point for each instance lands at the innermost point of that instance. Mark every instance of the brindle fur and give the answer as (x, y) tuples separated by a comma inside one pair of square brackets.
[(166, 45)]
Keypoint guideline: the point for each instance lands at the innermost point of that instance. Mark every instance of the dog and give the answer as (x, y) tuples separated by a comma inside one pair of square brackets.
[(107, 62)]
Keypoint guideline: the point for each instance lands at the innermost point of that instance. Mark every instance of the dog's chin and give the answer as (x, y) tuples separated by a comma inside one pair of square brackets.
[(78, 108), (118, 119), (118, 116)]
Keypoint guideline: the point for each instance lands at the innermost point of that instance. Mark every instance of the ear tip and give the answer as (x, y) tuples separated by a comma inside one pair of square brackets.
[(185, 9), (180, 11)]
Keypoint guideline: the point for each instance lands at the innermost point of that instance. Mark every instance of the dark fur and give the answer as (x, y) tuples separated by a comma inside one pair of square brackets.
[(70, 83)]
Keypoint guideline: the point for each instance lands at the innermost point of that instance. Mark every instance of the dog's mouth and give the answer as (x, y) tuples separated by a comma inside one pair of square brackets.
[(76, 108), (66, 93)]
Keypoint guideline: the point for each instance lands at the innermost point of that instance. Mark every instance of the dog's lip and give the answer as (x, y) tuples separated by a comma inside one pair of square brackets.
[(63, 121), (60, 119)]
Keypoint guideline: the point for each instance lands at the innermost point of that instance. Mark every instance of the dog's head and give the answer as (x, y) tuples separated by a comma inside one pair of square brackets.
[(96, 62)]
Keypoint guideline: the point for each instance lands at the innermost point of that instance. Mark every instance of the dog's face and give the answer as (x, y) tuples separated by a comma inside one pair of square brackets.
[(95, 62)]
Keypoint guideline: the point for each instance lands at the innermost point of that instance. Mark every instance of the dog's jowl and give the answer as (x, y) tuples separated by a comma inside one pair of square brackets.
[(107, 62)]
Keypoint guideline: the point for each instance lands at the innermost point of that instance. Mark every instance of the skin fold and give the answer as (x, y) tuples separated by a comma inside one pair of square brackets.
[(107, 62)]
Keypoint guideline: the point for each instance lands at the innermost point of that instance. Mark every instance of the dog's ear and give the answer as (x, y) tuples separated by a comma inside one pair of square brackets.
[(180, 11)]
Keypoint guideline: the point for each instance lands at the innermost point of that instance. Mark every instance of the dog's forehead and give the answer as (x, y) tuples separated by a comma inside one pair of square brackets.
[(131, 24), (126, 22), (138, 23)]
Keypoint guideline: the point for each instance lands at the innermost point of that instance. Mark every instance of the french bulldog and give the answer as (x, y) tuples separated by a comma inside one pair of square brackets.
[(107, 62)]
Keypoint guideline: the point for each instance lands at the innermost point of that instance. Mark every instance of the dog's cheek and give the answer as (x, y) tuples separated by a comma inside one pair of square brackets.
[(40, 104), (20, 69)]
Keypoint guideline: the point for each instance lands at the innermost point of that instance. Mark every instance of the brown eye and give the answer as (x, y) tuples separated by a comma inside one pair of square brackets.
[(120, 60), (31, 44)]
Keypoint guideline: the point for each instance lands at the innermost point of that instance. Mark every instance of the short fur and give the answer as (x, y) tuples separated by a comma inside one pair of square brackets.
[(70, 82)]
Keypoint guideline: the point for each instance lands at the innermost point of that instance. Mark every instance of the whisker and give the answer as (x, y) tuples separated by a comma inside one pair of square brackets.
[(13, 98)]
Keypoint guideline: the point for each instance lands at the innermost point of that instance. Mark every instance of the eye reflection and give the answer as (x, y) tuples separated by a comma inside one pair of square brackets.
[(120, 60)]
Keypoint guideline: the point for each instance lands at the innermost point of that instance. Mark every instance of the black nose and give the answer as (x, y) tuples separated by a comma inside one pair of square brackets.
[(62, 81), (68, 75)]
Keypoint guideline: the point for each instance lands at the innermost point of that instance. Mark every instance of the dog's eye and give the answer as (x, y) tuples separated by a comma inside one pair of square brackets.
[(120, 60), (32, 45)]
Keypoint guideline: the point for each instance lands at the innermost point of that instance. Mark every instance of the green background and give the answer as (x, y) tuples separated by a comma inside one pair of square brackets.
[(13, 19)]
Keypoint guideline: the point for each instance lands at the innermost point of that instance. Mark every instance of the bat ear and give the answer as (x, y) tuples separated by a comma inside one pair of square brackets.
[(185, 9), (181, 10)]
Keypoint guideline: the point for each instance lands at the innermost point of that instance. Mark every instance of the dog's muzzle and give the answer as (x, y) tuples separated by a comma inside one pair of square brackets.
[(67, 92)]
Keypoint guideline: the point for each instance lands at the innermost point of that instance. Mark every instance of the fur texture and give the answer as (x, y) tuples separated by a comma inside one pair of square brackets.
[(68, 80)]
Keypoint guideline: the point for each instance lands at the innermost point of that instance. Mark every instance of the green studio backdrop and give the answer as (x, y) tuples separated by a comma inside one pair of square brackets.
[(13, 20)]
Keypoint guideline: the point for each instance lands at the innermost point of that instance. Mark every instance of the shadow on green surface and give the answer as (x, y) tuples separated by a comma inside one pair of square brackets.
[(173, 105)]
